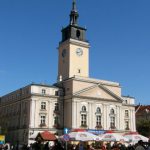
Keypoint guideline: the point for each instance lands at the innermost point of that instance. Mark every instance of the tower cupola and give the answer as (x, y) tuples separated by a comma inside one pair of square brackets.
[(73, 30)]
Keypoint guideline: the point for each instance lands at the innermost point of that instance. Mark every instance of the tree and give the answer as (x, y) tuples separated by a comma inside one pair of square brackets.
[(143, 127)]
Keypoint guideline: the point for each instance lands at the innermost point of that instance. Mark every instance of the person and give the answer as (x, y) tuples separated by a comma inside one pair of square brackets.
[(46, 146), (57, 146), (104, 146), (115, 146), (140, 145), (89, 147), (108, 146), (81, 146)]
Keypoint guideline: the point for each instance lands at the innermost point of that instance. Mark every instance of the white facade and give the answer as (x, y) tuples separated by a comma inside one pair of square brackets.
[(97, 105), (30, 110)]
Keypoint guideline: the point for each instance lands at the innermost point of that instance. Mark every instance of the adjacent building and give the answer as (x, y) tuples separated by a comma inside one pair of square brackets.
[(75, 101), (142, 112)]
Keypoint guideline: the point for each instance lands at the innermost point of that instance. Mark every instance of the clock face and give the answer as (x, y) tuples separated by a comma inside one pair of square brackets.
[(64, 52), (79, 51)]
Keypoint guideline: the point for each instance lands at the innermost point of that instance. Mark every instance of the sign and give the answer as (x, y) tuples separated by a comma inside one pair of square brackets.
[(66, 130), (98, 132), (2, 139), (66, 137)]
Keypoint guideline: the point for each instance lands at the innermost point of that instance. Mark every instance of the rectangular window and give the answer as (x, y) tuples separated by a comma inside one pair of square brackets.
[(98, 120), (83, 120), (126, 125), (56, 107), (43, 119), (56, 120), (43, 91), (43, 105), (126, 113), (112, 122), (56, 93)]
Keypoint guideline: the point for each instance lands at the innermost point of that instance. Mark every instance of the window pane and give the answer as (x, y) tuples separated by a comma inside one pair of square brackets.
[(43, 105), (56, 107)]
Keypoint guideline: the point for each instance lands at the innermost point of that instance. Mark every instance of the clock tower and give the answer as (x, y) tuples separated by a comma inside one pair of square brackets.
[(73, 49)]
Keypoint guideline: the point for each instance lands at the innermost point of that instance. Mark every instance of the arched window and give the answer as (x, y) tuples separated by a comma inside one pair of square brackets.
[(98, 110), (112, 111), (112, 119), (83, 108), (83, 117), (78, 34), (98, 118)]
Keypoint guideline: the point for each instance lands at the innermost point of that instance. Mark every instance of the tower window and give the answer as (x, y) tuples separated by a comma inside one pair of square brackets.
[(78, 33)]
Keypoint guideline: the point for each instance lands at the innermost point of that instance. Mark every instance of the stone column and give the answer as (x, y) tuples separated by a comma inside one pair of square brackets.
[(32, 113), (50, 111), (131, 120), (104, 116), (118, 117), (89, 115), (121, 122), (78, 115), (74, 114), (134, 121)]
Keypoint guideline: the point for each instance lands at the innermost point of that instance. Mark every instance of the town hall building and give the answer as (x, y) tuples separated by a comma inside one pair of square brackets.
[(75, 101)]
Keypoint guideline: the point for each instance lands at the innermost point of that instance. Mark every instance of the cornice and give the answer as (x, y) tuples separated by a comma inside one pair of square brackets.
[(75, 42)]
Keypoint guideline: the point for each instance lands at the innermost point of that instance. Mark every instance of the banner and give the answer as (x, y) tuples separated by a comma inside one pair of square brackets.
[(2, 139)]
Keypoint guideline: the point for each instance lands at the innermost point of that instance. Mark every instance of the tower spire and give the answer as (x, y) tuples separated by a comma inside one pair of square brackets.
[(74, 8), (74, 14)]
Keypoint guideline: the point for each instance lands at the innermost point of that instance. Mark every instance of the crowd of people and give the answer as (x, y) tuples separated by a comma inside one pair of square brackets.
[(80, 146)]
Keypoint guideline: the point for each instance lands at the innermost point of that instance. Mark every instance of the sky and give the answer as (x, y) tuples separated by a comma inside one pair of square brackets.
[(118, 32)]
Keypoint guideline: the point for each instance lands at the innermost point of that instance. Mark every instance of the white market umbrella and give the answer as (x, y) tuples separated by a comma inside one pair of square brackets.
[(113, 137), (134, 138), (83, 136), (33, 136)]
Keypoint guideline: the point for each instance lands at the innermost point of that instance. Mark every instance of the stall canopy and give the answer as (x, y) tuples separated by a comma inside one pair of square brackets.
[(135, 137), (46, 136), (113, 137), (83, 136)]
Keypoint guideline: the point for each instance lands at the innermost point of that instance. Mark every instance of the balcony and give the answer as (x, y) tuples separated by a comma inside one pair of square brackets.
[(83, 126), (57, 112), (98, 127), (112, 127), (127, 128), (57, 126), (42, 125)]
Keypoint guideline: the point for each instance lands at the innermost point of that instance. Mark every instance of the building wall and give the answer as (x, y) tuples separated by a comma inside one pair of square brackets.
[(87, 93), (20, 112)]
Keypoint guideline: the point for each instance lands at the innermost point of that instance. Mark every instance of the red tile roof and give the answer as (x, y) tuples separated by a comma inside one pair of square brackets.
[(47, 136)]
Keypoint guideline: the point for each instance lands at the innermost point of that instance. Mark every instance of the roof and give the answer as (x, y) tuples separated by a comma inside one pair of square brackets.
[(142, 108), (46, 136)]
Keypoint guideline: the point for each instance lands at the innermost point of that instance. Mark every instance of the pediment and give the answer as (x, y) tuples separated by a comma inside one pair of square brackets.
[(98, 91)]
